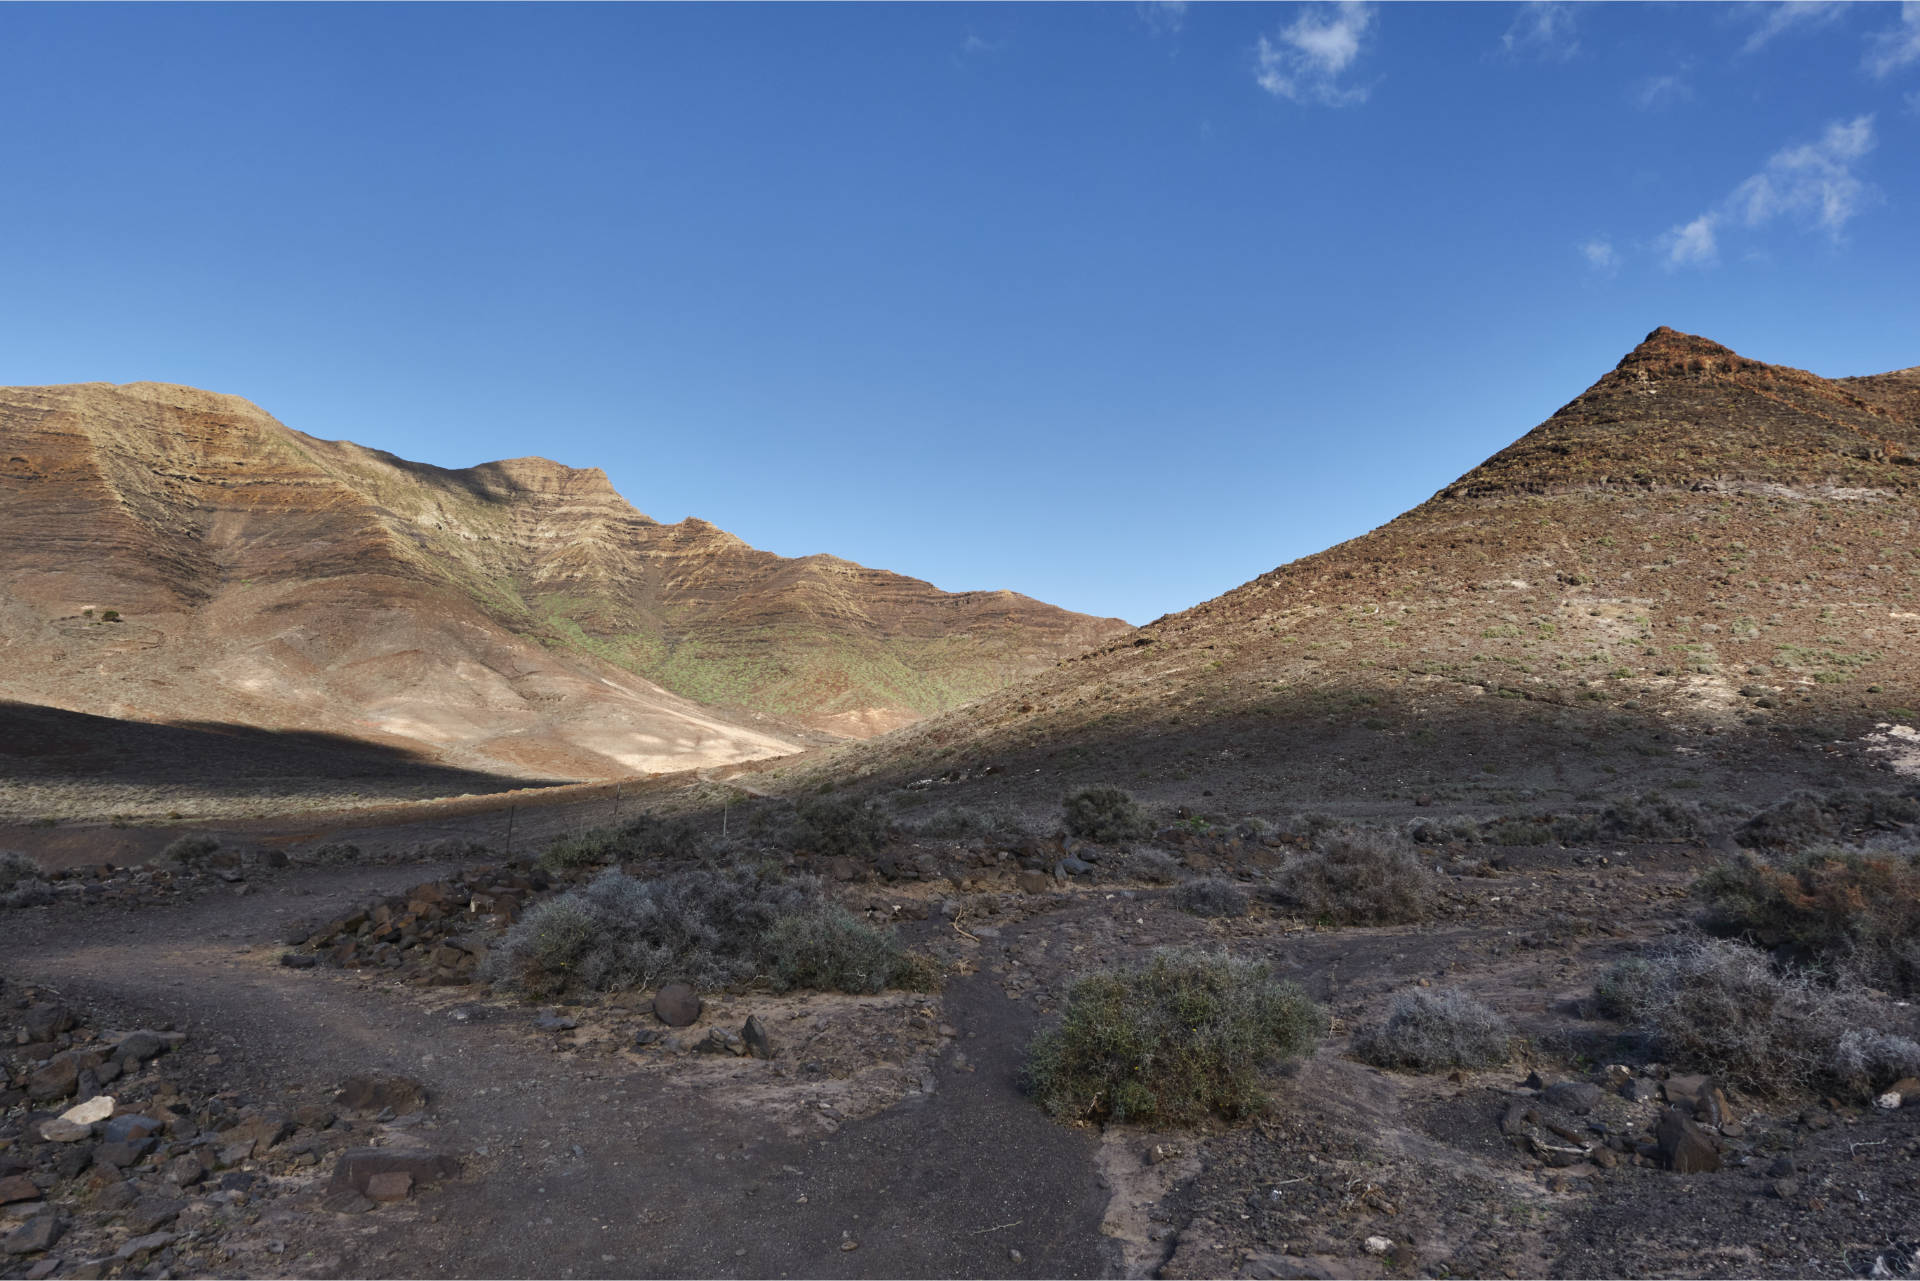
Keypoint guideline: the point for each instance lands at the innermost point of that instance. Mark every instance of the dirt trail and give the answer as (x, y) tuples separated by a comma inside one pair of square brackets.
[(586, 1170)]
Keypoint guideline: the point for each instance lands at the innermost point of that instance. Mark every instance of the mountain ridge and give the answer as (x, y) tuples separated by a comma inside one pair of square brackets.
[(515, 613)]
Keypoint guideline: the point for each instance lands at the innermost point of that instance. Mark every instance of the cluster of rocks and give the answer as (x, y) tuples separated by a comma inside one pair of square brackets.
[(677, 1006), (166, 1172), (434, 934), (106, 883), (1659, 1119)]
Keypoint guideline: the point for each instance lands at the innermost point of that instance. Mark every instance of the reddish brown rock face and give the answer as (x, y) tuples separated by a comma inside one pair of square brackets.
[(169, 554)]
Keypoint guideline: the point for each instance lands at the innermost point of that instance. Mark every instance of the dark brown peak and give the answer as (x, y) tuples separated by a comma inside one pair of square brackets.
[(1664, 346)]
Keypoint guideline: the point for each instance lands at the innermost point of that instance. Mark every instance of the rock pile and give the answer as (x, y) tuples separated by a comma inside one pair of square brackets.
[(166, 1173), (434, 934)]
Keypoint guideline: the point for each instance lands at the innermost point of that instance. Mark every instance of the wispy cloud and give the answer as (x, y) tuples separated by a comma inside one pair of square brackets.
[(1777, 19), (1658, 92), (1305, 60), (976, 44), (1694, 245), (1542, 29), (1162, 17), (1601, 255), (1897, 46), (1813, 184)]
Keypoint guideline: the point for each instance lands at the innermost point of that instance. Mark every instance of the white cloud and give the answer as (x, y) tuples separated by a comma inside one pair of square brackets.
[(1601, 255), (1693, 245), (1542, 29), (1896, 47), (975, 44), (1813, 180), (1163, 17), (1777, 19), (1658, 92), (1305, 62), (1813, 184)]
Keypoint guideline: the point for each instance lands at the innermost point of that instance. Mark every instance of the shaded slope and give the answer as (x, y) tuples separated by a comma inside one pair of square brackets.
[(1698, 542)]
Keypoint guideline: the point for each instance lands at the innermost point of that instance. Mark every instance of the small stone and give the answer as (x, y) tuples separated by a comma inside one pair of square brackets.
[(58, 1130), (754, 1034), (1641, 1090), (1908, 1088), (299, 960), (356, 1169), (1577, 1097), (1888, 1102), (1784, 1189), (849, 1244), (1160, 1152), (116, 1196), (1689, 1091), (551, 1022), (677, 1005), (130, 1128), (150, 1213), (372, 1093), (95, 1109), (1518, 1117), (1685, 1148), (389, 1185), (121, 1155), (1378, 1245), (184, 1171), (1033, 882), (721, 1041), (38, 1234), (56, 1080), (138, 1047), (1782, 1168), (141, 1246), (314, 1116), (44, 1022)]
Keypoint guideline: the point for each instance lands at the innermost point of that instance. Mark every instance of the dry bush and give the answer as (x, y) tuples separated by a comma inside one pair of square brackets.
[(1359, 878), (1105, 815), (1142, 863), (1651, 817), (962, 822), (646, 836), (1211, 896), (22, 884), (1722, 1007), (190, 851), (1171, 1042), (1855, 911), (842, 825), (1433, 1029), (1806, 819), (1518, 831), (712, 927), (832, 950)]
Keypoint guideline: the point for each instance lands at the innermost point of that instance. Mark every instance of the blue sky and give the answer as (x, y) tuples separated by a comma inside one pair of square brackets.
[(1115, 305)]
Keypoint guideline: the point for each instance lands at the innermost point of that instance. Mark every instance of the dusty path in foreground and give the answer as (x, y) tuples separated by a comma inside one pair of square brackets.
[(603, 1175)]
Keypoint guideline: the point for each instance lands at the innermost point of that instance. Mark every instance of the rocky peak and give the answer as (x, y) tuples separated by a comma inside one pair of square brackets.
[(1668, 353)]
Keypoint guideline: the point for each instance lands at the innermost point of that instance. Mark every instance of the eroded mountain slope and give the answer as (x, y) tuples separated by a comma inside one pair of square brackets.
[(518, 615)]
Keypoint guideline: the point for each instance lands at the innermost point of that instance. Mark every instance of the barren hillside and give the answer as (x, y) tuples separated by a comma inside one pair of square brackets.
[(172, 555), (1698, 547)]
